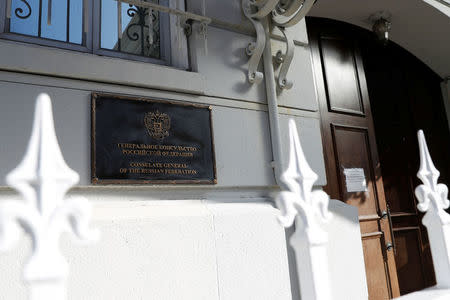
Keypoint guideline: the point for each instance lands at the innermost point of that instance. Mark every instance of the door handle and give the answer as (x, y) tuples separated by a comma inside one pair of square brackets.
[(384, 215)]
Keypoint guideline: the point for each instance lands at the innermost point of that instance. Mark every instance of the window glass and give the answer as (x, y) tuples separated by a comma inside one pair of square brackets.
[(139, 33), (24, 18), (144, 33), (31, 17)]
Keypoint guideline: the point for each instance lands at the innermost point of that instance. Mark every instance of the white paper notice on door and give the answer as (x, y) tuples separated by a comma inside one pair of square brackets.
[(355, 180)]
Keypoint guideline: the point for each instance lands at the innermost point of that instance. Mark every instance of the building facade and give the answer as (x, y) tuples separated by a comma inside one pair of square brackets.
[(223, 240)]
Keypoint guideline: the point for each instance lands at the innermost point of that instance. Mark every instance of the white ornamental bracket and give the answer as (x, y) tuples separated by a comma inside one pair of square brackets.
[(283, 14), (433, 199), (43, 178), (309, 208)]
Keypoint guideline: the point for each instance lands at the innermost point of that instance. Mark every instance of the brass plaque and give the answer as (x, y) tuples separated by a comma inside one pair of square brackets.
[(140, 141)]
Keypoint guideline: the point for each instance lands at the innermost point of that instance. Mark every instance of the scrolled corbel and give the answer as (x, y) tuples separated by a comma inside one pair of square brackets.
[(283, 82), (293, 14), (283, 14), (262, 8), (287, 9), (255, 49)]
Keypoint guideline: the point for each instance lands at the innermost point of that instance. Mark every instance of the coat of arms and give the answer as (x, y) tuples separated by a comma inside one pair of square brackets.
[(158, 124)]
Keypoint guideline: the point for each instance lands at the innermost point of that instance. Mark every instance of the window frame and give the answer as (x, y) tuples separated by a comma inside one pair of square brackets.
[(93, 37), (164, 36), (5, 34)]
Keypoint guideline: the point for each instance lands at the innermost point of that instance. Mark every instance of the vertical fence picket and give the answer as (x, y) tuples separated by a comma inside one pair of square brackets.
[(307, 208), (43, 178), (433, 199)]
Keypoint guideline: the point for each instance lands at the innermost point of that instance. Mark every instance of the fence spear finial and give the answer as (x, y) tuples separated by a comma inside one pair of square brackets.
[(311, 208), (43, 178), (433, 199)]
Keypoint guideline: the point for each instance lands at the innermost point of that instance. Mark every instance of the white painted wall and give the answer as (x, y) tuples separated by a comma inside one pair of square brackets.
[(226, 52), (178, 249), (345, 253), (241, 134)]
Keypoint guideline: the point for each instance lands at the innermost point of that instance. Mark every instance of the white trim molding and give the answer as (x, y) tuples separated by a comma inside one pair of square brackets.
[(19, 57)]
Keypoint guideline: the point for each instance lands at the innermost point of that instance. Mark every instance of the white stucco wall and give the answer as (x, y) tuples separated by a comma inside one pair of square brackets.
[(191, 249), (345, 253), (177, 249), (169, 242), (241, 130)]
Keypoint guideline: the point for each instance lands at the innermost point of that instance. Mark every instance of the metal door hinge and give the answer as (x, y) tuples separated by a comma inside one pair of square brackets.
[(387, 214)]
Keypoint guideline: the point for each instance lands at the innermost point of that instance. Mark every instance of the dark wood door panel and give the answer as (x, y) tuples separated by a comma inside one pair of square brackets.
[(409, 259), (398, 189), (352, 150), (341, 75)]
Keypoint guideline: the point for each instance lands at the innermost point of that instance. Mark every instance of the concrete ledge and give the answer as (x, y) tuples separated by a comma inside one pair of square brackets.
[(170, 250), (345, 253), (432, 293)]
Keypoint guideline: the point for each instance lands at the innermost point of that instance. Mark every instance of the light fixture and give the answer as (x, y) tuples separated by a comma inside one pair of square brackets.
[(381, 28), (381, 25)]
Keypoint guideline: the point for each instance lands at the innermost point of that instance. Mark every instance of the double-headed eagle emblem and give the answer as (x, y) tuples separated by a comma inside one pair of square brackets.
[(158, 124)]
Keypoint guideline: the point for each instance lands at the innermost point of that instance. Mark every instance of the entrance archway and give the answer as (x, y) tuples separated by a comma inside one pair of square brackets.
[(373, 99)]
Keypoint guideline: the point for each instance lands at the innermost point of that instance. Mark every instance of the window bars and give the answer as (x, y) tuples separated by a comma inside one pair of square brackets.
[(140, 30), (21, 18), (184, 17), (183, 14)]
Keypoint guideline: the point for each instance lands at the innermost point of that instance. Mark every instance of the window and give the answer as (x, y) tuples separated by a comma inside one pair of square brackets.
[(103, 27)]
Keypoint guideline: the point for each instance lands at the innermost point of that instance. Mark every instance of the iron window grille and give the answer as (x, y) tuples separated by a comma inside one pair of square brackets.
[(91, 26)]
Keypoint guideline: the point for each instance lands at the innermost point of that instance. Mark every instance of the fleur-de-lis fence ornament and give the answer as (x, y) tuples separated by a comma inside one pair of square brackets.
[(309, 208), (43, 178), (433, 199)]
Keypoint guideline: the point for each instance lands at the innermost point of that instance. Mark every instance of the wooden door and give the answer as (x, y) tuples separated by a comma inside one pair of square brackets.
[(350, 144), (405, 96)]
